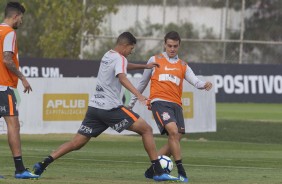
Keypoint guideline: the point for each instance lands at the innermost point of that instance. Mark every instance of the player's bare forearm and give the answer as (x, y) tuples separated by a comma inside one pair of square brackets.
[(132, 66), (9, 63), (127, 84)]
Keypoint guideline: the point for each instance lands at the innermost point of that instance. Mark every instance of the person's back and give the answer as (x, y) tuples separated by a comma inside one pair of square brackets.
[(108, 87)]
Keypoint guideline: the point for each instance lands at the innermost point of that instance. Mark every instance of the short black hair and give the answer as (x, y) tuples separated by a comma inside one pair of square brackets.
[(13, 7), (173, 35), (126, 38)]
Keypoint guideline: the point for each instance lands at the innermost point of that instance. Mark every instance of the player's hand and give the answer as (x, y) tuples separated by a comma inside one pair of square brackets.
[(129, 107), (142, 99), (27, 87), (152, 65), (148, 103), (208, 86)]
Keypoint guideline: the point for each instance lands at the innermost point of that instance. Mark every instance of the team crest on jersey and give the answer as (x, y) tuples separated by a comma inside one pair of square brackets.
[(165, 116)]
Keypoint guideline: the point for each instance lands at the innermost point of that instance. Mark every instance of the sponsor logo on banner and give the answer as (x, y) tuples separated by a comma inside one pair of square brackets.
[(188, 105), (64, 107), (249, 84)]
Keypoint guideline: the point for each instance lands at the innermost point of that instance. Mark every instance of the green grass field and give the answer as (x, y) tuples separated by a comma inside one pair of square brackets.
[(246, 149)]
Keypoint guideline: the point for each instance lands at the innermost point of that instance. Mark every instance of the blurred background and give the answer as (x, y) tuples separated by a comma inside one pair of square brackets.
[(214, 31)]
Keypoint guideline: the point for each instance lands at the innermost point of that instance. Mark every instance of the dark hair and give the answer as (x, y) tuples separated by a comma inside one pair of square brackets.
[(14, 7), (126, 38), (173, 35)]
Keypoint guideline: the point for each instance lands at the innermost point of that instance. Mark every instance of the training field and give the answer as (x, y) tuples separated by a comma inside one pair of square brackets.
[(247, 149)]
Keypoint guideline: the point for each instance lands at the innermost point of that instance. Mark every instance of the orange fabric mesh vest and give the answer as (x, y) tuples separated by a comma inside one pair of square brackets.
[(167, 80), (7, 78)]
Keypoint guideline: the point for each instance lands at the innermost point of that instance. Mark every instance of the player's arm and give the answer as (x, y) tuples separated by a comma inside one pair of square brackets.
[(8, 53), (9, 63), (127, 84), (133, 66), (195, 81), (143, 82)]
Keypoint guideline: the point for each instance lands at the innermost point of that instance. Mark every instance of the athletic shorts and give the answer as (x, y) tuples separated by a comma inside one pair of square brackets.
[(97, 120), (8, 103), (166, 112)]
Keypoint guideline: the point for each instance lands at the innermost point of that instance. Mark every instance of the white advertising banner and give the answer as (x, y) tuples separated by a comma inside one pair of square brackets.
[(58, 105)]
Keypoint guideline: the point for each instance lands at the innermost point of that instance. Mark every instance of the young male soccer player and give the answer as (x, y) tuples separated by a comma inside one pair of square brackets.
[(106, 109), (9, 76), (165, 96)]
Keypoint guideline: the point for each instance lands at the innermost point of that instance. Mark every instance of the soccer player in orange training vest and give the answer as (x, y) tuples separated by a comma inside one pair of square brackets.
[(9, 75), (105, 108), (165, 96)]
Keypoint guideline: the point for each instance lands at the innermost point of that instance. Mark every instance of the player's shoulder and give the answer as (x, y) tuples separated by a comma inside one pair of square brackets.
[(159, 56), (113, 55), (183, 63), (6, 28)]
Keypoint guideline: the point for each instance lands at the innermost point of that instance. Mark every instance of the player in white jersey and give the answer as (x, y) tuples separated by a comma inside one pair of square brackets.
[(106, 109)]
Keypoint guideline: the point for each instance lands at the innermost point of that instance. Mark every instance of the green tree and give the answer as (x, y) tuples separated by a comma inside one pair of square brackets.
[(54, 29), (263, 24)]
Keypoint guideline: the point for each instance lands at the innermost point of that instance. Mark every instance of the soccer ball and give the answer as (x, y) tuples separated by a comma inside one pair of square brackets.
[(166, 163)]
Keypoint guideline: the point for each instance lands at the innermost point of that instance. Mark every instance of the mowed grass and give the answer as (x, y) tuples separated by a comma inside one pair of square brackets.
[(253, 123), (258, 112), (232, 155)]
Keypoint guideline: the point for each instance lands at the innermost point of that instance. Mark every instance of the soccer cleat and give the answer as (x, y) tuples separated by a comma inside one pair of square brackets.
[(182, 179), (26, 174), (37, 169), (149, 174), (165, 177)]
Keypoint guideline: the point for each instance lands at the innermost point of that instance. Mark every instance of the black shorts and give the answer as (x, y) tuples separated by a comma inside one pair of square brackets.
[(97, 120), (166, 112), (8, 103)]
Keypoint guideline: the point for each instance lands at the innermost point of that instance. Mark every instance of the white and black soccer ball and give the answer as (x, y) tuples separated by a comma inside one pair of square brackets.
[(166, 163)]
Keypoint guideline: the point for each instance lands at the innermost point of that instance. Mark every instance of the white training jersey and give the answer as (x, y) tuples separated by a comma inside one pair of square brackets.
[(108, 87)]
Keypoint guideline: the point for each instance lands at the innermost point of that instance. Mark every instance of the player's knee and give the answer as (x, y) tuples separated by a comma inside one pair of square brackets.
[(146, 129), (174, 134)]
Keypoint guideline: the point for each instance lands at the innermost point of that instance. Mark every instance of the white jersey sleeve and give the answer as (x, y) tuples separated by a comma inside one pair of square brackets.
[(121, 65), (193, 79), (143, 82), (9, 42)]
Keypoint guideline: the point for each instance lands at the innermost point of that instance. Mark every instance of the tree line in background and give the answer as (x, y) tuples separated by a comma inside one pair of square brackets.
[(54, 29)]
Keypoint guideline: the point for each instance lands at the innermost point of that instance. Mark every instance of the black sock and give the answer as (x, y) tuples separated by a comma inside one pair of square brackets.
[(180, 168), (19, 164), (157, 168), (48, 160)]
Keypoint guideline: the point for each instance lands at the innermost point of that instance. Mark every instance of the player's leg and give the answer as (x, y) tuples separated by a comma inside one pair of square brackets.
[(90, 127), (169, 119), (10, 115), (146, 132), (122, 118), (76, 143), (175, 131), (173, 140), (13, 133), (165, 149)]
